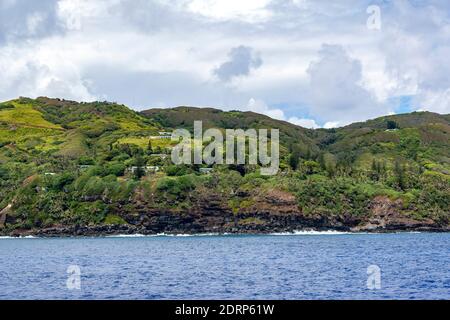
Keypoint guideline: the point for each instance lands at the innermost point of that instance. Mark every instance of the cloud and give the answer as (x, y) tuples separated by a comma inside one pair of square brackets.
[(331, 124), (433, 100), (260, 106), (302, 122), (38, 72), (418, 51), (249, 10), (22, 19), (154, 89), (241, 61), (336, 93)]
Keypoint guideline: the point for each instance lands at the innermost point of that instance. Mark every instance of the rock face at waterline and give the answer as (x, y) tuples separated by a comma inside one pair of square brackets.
[(69, 168)]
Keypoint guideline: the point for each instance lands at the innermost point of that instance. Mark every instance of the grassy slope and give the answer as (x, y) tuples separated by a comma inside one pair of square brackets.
[(422, 137), (184, 117), (365, 141), (23, 114)]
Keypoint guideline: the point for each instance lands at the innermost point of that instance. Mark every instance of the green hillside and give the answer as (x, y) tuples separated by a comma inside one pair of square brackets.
[(81, 168)]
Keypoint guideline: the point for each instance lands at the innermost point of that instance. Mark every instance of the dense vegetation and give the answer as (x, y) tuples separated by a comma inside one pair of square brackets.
[(68, 163)]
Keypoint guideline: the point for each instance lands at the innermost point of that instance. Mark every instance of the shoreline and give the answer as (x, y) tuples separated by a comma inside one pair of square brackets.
[(41, 234)]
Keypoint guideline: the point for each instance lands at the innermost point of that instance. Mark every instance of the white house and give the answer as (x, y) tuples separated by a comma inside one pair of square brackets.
[(147, 169), (205, 170)]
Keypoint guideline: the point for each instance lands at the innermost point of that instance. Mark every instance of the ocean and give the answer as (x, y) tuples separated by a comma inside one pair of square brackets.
[(305, 265)]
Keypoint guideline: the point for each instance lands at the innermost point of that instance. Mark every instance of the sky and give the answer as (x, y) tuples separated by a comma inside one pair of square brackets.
[(313, 63)]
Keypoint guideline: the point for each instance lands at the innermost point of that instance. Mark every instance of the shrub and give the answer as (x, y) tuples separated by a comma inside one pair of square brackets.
[(85, 160), (4, 173), (391, 124), (94, 187), (113, 219), (338, 196), (311, 167), (63, 180), (5, 106), (117, 169), (176, 186), (177, 170)]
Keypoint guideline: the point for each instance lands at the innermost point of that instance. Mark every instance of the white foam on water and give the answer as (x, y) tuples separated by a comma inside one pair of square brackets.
[(311, 233), (169, 235), (26, 237), (137, 235), (294, 233), (188, 235)]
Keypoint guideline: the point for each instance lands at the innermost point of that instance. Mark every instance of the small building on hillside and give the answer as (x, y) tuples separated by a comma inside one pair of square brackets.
[(159, 155), (84, 166), (205, 170), (162, 135), (147, 169), (151, 169)]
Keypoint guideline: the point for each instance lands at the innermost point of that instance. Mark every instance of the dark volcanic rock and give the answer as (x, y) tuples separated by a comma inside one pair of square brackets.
[(274, 211)]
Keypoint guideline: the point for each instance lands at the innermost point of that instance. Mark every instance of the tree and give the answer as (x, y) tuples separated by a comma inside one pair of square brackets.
[(63, 180), (376, 168), (321, 161), (239, 168), (140, 163), (311, 166), (399, 172), (411, 145), (117, 169), (149, 147), (391, 124), (294, 159), (331, 170)]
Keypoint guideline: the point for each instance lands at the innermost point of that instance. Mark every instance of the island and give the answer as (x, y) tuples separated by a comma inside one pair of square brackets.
[(72, 168)]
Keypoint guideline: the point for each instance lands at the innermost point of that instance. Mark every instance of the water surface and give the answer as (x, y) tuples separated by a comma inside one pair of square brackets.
[(320, 266)]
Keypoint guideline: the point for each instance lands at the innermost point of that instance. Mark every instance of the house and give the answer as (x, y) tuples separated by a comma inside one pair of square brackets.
[(165, 135), (147, 169), (160, 137), (160, 155), (151, 169), (84, 166)]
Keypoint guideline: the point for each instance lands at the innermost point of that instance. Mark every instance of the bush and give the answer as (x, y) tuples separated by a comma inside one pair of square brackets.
[(120, 191), (311, 167), (113, 219), (175, 186), (4, 173), (94, 187), (85, 160), (88, 212), (62, 180), (391, 124), (334, 196), (5, 106), (117, 169), (178, 170)]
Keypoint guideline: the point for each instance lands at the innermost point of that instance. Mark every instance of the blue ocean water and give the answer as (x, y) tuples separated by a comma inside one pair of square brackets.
[(320, 266)]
